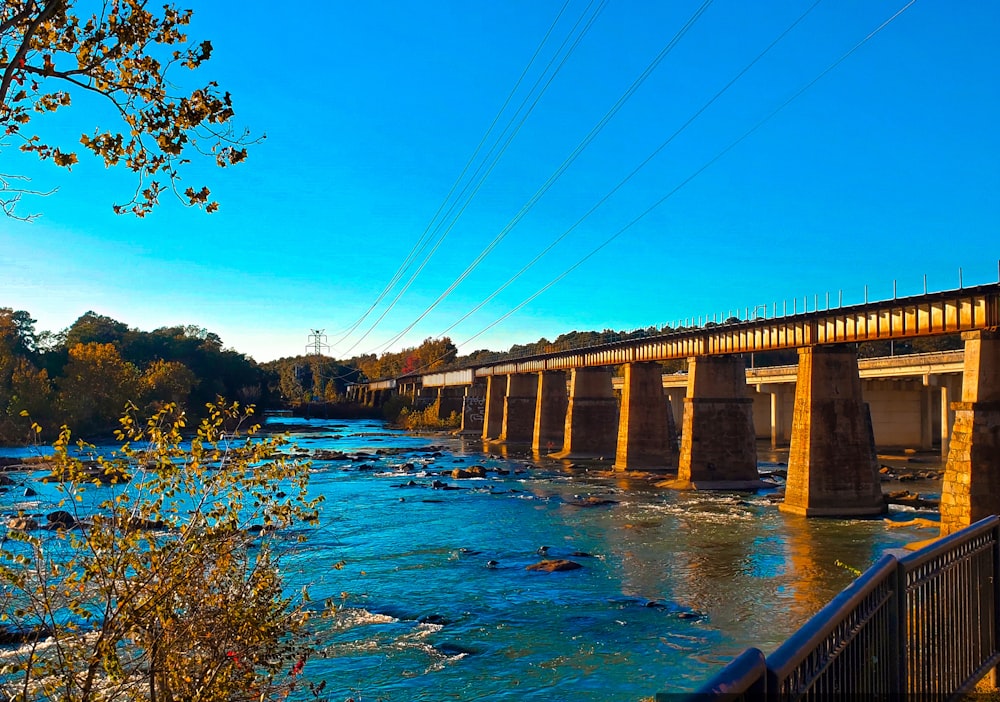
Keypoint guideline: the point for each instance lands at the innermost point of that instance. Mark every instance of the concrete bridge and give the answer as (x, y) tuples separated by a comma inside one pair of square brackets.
[(565, 403)]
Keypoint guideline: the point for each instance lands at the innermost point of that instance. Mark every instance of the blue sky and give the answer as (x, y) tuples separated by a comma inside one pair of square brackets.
[(884, 169)]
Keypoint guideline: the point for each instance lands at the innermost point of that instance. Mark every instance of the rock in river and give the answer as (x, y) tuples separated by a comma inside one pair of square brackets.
[(554, 565)]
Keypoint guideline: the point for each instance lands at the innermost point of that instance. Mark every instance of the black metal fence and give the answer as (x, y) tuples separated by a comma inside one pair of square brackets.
[(924, 626)]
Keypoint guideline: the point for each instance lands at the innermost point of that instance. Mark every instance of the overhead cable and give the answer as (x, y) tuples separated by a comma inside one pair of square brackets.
[(636, 170), (495, 159), (544, 188), (695, 174), (421, 243)]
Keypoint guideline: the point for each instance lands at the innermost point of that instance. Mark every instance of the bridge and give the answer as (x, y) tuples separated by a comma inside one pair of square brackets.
[(564, 403)]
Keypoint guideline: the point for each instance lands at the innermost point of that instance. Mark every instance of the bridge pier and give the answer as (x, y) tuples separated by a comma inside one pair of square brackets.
[(426, 397), (951, 388), (718, 444), (473, 409), (496, 391), (971, 488), (518, 424), (591, 415), (832, 467), (779, 397), (647, 436), (550, 412), (449, 401), (409, 390)]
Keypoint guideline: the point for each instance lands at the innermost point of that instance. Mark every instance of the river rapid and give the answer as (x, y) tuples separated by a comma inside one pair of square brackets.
[(438, 604)]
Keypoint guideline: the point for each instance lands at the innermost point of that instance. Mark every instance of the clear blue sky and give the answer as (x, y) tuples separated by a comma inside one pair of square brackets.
[(885, 169)]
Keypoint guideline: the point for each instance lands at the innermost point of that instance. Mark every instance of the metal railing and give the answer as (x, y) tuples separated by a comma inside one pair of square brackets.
[(923, 626)]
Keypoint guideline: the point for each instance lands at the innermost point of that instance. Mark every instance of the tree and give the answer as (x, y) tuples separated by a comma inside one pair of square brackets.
[(172, 590), (127, 54), (95, 385), (92, 328), (167, 382)]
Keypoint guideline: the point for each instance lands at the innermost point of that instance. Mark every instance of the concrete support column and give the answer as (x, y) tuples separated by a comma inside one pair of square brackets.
[(591, 415), (425, 397), (718, 444), (450, 399), (950, 391), (779, 435), (550, 412), (647, 439), (832, 467), (926, 415), (496, 391), (676, 398), (473, 409), (971, 488), (519, 409)]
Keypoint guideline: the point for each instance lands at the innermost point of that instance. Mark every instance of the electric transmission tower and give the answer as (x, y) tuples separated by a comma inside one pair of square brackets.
[(317, 342)]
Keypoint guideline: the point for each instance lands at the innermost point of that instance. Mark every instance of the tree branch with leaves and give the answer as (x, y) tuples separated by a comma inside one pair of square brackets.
[(124, 53)]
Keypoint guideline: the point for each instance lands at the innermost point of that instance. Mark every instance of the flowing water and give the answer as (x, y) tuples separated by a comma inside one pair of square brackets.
[(438, 604)]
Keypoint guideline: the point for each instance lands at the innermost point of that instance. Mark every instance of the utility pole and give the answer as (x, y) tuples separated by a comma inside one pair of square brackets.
[(317, 342)]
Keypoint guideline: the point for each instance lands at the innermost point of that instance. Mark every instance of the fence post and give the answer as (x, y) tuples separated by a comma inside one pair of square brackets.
[(899, 632)]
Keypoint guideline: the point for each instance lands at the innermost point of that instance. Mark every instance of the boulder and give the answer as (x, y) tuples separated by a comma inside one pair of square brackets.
[(592, 501), (22, 523), (477, 471), (553, 565), (461, 473), (62, 519)]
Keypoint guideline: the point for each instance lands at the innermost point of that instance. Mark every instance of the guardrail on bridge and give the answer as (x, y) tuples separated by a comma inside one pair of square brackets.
[(923, 626)]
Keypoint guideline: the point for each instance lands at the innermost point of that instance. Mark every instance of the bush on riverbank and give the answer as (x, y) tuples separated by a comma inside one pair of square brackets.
[(428, 419), (168, 584)]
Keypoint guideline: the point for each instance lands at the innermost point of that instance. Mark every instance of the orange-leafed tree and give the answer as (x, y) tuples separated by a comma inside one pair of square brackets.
[(95, 385), (129, 54)]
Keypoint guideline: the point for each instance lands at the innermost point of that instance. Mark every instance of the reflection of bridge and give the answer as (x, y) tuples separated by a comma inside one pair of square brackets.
[(564, 403)]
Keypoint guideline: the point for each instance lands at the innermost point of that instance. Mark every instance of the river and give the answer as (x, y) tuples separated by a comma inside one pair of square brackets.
[(438, 604)]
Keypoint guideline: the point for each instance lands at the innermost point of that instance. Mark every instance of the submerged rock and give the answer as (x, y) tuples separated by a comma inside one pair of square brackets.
[(592, 502), (554, 565), (61, 519), (22, 523)]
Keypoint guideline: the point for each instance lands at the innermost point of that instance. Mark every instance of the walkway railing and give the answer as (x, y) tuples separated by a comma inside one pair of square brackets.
[(924, 626)]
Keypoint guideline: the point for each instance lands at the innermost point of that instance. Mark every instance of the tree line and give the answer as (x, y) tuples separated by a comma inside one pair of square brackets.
[(84, 375)]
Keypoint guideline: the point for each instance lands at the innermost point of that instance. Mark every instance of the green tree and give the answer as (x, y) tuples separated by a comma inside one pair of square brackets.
[(128, 55), (173, 591), (93, 328)]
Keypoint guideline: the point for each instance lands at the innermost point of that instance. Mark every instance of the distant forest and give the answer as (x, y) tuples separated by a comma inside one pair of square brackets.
[(84, 376)]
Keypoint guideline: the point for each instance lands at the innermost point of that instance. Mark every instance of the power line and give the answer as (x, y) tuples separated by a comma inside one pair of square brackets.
[(636, 170), (496, 158), (425, 236), (544, 188), (696, 173)]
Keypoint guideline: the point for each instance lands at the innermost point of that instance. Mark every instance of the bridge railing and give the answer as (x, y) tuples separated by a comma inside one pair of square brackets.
[(924, 626)]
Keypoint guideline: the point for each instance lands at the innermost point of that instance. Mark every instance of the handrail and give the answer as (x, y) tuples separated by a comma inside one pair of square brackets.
[(808, 655), (745, 679), (924, 625)]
